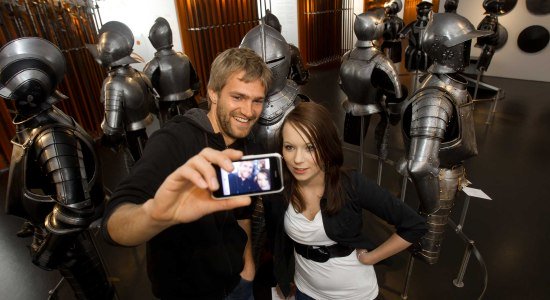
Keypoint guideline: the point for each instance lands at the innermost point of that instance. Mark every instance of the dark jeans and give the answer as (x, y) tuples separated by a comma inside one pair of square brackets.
[(302, 296), (243, 291)]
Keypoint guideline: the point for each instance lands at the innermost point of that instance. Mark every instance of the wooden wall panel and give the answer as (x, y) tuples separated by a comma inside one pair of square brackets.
[(409, 13), (370, 4), (210, 27), (325, 29)]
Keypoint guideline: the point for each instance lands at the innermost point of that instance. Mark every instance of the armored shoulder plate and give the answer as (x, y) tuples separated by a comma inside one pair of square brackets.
[(128, 101), (43, 162), (383, 63), (151, 68), (279, 104), (448, 115), (356, 74)]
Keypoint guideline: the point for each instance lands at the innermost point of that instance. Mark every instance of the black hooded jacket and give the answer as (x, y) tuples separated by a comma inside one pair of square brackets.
[(198, 260)]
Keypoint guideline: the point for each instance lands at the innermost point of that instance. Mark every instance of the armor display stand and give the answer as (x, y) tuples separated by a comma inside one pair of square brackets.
[(52, 294), (499, 95), (470, 248), (379, 174), (369, 155), (361, 141)]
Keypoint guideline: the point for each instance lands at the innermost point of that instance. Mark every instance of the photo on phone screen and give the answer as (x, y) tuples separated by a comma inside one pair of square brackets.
[(253, 175)]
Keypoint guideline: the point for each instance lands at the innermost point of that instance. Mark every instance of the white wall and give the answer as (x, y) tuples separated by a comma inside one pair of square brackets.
[(140, 15), (287, 13), (510, 61)]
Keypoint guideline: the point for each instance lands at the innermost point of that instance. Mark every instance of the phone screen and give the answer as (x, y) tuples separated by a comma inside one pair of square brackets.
[(251, 177)]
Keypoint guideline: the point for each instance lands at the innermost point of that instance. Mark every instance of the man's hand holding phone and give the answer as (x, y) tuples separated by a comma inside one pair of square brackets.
[(186, 194)]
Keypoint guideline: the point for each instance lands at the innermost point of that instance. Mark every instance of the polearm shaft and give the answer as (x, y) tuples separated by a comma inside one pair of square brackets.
[(14, 14), (5, 31), (30, 14), (75, 52), (98, 15)]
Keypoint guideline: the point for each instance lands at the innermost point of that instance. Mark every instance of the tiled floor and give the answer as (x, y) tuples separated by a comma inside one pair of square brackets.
[(510, 231)]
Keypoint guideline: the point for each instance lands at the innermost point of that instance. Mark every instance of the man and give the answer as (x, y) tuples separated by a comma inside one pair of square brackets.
[(242, 181), (194, 251)]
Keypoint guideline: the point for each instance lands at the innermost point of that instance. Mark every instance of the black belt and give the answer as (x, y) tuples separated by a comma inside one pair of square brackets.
[(322, 253)]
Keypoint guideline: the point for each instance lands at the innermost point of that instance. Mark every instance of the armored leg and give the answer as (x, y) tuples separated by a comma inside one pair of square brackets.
[(84, 271), (430, 245)]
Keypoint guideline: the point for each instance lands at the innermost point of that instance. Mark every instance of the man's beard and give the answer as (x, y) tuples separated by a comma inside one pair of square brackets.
[(224, 121)]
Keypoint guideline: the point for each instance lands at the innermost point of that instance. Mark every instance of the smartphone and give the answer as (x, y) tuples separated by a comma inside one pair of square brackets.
[(252, 175)]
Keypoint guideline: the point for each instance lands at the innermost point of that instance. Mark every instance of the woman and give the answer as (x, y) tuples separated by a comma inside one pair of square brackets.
[(262, 179), (317, 227)]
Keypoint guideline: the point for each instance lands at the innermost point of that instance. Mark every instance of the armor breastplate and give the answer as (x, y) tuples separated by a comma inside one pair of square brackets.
[(392, 44), (392, 28), (130, 91), (174, 81), (28, 195), (459, 142), (277, 106), (415, 57), (355, 76)]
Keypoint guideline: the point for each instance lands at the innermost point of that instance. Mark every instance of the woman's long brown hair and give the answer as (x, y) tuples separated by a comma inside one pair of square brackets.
[(314, 122)]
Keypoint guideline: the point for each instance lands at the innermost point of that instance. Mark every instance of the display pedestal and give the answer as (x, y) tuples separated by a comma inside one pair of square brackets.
[(362, 154), (52, 294)]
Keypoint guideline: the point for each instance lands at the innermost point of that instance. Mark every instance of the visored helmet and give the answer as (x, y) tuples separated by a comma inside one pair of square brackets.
[(269, 44), (272, 20), (160, 34), (451, 6), (495, 7), (30, 70), (423, 10), (393, 6), (115, 45), (368, 27), (447, 39)]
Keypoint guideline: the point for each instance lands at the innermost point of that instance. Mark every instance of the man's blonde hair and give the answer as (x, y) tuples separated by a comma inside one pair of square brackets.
[(234, 60)]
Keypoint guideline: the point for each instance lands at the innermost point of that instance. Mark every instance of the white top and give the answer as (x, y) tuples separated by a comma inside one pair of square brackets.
[(337, 278)]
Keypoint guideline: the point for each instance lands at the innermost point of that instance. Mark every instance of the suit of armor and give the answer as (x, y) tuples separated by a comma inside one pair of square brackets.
[(281, 98), (171, 74), (489, 44), (366, 75), (298, 71), (54, 181), (415, 57), (392, 26), (127, 94), (438, 127)]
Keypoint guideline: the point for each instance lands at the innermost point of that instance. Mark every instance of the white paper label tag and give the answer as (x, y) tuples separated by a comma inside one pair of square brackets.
[(475, 193)]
